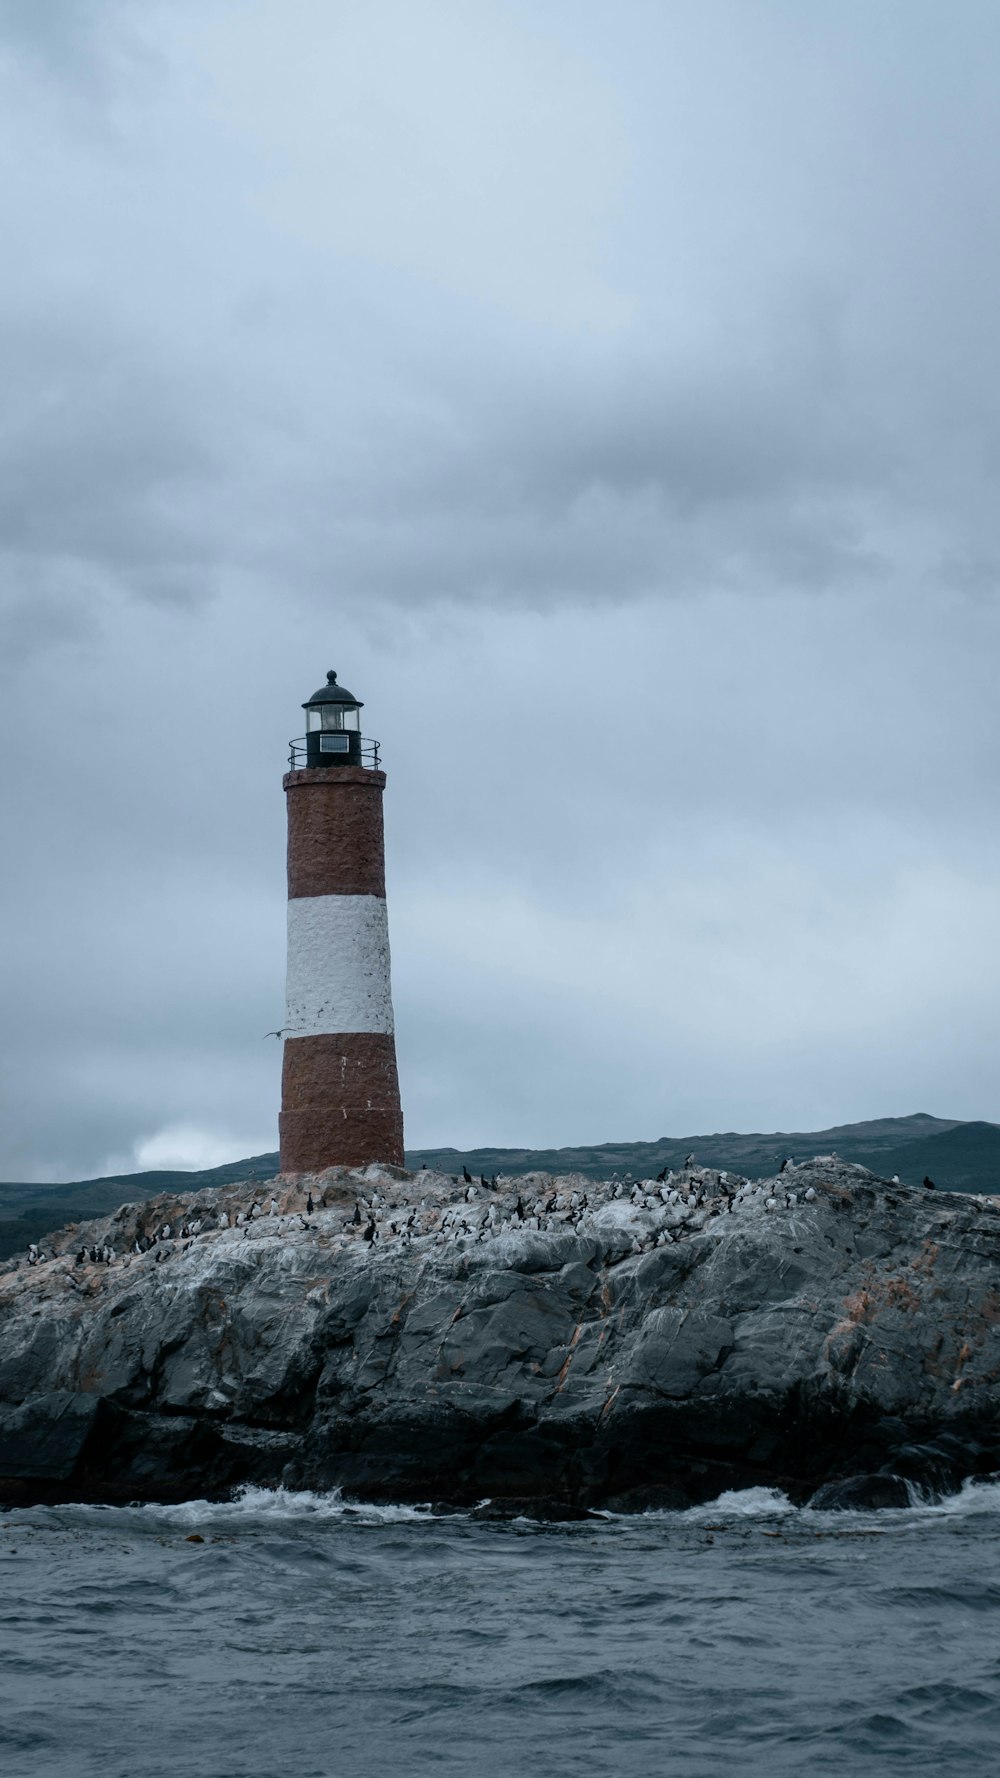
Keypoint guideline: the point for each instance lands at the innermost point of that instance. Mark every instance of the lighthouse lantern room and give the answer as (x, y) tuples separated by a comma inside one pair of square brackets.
[(333, 726)]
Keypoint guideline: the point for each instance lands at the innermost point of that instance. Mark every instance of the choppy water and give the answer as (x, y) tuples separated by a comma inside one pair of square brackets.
[(309, 1638)]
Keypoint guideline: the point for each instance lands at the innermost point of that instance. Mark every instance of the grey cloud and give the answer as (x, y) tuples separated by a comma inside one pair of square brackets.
[(101, 464), (659, 537), (83, 44)]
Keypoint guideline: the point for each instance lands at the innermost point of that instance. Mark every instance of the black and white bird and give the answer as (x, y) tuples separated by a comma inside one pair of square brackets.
[(310, 1206), (689, 1160)]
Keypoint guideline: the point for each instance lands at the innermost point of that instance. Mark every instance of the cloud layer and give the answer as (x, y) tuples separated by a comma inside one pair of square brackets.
[(612, 400)]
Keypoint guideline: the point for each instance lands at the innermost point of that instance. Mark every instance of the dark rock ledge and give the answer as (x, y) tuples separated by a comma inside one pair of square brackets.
[(821, 1331)]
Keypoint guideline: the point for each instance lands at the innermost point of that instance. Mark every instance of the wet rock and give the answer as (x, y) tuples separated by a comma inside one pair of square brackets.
[(629, 1351), (861, 1493)]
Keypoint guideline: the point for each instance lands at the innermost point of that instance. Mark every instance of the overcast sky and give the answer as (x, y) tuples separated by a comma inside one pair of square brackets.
[(610, 393)]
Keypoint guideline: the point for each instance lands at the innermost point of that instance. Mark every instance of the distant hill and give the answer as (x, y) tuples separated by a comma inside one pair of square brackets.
[(957, 1156), (963, 1159), (27, 1212), (756, 1154)]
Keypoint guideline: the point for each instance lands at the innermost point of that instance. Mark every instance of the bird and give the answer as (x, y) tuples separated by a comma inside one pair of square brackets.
[(661, 1176), (689, 1160), (466, 1175), (356, 1218), (369, 1233), (929, 1184), (310, 1206), (272, 1034), (484, 1182)]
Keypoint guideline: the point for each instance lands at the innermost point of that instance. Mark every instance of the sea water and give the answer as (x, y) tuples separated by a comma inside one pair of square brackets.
[(311, 1638)]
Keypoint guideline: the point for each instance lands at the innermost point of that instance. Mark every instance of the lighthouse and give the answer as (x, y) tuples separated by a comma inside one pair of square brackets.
[(340, 1101)]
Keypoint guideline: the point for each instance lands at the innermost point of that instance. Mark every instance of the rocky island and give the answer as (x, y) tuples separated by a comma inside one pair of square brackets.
[(536, 1344)]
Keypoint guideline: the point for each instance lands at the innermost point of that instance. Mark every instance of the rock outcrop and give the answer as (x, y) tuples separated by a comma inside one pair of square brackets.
[(543, 1341)]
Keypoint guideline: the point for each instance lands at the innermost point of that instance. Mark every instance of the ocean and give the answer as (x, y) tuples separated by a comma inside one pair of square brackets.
[(308, 1638)]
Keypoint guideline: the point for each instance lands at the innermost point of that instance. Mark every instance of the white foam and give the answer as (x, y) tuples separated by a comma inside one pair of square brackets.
[(287, 1505), (744, 1503), (249, 1507), (972, 1497)]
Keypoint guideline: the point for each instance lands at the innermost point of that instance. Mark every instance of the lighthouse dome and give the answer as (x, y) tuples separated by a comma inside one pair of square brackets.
[(332, 693)]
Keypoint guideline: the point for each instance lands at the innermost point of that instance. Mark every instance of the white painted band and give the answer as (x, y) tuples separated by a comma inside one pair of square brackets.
[(338, 966)]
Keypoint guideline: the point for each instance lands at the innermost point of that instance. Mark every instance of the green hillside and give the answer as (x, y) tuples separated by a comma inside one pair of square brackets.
[(965, 1159), (756, 1154)]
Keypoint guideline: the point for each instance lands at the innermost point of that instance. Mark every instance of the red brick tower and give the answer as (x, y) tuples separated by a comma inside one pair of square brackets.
[(339, 1087)]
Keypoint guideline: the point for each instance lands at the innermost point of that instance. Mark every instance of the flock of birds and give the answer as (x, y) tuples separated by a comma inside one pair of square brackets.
[(636, 1214), (678, 1204)]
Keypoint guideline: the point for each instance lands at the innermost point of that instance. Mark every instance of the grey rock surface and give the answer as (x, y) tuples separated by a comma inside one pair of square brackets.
[(543, 1341)]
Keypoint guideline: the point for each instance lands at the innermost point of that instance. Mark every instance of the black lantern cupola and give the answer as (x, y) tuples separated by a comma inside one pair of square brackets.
[(333, 726)]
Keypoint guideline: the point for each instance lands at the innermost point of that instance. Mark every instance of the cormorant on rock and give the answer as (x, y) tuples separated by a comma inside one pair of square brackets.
[(519, 1208), (356, 1218), (466, 1175), (310, 1206), (370, 1231), (929, 1183), (484, 1182)]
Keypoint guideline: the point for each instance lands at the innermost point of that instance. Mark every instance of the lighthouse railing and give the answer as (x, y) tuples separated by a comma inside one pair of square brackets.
[(298, 758)]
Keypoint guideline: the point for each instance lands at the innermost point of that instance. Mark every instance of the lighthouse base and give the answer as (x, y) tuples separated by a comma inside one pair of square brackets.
[(340, 1102)]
